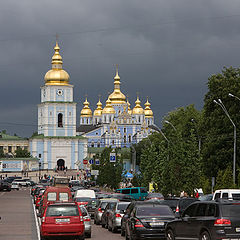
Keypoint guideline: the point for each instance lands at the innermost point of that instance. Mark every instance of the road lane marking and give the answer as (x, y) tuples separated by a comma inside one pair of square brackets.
[(36, 220), (2, 194)]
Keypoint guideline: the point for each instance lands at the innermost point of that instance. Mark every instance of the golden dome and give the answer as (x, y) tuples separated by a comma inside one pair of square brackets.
[(117, 97), (138, 109), (148, 111), (98, 111), (56, 76), (129, 109), (86, 111), (108, 108)]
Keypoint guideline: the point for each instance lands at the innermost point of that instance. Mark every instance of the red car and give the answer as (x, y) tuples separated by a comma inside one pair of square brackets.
[(62, 219), (38, 199)]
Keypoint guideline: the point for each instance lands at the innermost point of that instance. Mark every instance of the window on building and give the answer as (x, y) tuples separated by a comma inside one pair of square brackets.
[(60, 120), (125, 139), (9, 149), (87, 121), (39, 155), (18, 147), (1, 148), (124, 130), (129, 138), (70, 114), (139, 119), (105, 119), (92, 144), (98, 144), (112, 142), (50, 113)]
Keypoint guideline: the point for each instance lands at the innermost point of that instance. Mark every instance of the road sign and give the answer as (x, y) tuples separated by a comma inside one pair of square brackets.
[(85, 161), (91, 161), (113, 157), (95, 172), (97, 161)]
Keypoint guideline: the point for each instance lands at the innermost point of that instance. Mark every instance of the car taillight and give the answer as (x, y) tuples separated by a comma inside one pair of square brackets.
[(86, 219), (118, 215), (222, 222), (138, 224), (177, 209), (100, 210), (43, 219)]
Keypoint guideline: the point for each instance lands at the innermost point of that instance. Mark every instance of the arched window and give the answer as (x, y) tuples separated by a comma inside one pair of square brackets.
[(60, 120), (98, 144), (139, 120), (92, 144), (129, 138)]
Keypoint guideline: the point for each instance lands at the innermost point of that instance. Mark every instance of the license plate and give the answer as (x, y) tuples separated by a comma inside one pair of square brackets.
[(62, 220), (156, 223), (238, 229)]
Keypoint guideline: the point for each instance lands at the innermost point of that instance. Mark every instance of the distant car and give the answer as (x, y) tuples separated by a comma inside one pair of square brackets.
[(208, 220), (104, 218), (5, 185), (62, 220), (233, 194), (148, 221), (115, 216), (154, 196), (178, 205), (14, 186), (100, 209), (87, 221)]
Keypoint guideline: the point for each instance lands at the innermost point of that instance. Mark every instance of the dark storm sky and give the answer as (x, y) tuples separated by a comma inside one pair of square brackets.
[(166, 49)]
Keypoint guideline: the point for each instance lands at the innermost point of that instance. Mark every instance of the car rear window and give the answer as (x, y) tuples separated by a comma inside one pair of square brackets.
[(183, 203), (103, 205), (231, 210), (83, 200), (56, 211), (63, 196), (122, 207), (52, 196), (154, 211)]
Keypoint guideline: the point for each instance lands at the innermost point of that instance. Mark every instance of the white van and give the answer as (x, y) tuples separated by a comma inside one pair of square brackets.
[(85, 193), (233, 194)]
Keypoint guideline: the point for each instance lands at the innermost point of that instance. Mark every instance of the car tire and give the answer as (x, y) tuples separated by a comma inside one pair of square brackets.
[(109, 228), (89, 235), (170, 235), (94, 221), (114, 229), (103, 225), (205, 236), (122, 232)]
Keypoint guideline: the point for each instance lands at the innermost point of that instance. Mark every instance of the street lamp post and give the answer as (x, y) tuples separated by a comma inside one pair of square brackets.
[(220, 103), (170, 124), (159, 130)]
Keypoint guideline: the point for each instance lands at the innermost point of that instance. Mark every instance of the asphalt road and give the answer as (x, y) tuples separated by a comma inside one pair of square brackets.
[(18, 220)]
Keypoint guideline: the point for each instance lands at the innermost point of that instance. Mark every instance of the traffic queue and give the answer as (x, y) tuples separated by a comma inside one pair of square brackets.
[(134, 213)]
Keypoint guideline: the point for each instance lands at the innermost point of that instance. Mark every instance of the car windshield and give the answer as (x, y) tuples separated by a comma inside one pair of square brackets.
[(236, 196), (55, 211), (231, 210), (161, 211)]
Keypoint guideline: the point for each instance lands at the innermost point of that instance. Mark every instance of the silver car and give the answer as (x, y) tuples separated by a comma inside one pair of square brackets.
[(100, 209), (87, 221), (115, 216)]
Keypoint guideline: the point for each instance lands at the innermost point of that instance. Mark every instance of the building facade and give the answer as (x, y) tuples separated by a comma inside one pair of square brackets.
[(116, 125), (57, 145)]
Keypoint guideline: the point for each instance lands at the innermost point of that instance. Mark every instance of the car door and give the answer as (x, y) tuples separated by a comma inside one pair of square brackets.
[(183, 226)]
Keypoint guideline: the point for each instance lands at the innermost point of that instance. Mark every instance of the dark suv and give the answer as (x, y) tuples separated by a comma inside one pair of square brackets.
[(5, 185), (207, 221)]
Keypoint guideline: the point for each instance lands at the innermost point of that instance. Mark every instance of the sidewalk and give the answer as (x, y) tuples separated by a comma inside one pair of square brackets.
[(16, 211)]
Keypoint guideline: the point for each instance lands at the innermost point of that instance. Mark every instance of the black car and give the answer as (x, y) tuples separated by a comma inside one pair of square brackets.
[(148, 221), (178, 205), (5, 185), (133, 205), (207, 221)]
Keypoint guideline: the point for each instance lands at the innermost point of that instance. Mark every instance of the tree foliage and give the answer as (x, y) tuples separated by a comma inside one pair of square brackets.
[(22, 153)]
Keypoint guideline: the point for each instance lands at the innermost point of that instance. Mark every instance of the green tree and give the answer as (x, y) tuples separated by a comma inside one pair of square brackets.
[(109, 173), (224, 179), (217, 146), (22, 153), (1, 153)]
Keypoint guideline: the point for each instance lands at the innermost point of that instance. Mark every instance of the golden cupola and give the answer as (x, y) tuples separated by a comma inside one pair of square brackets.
[(98, 110), (117, 97), (138, 109), (86, 111), (108, 108), (129, 109), (56, 76), (148, 111)]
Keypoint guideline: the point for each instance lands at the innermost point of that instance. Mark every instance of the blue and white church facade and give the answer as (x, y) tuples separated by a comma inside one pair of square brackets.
[(57, 145)]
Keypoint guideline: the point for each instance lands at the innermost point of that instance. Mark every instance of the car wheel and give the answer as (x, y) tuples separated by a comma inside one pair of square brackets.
[(95, 221), (88, 235), (109, 228), (205, 236), (114, 230), (170, 235), (122, 232), (103, 225)]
